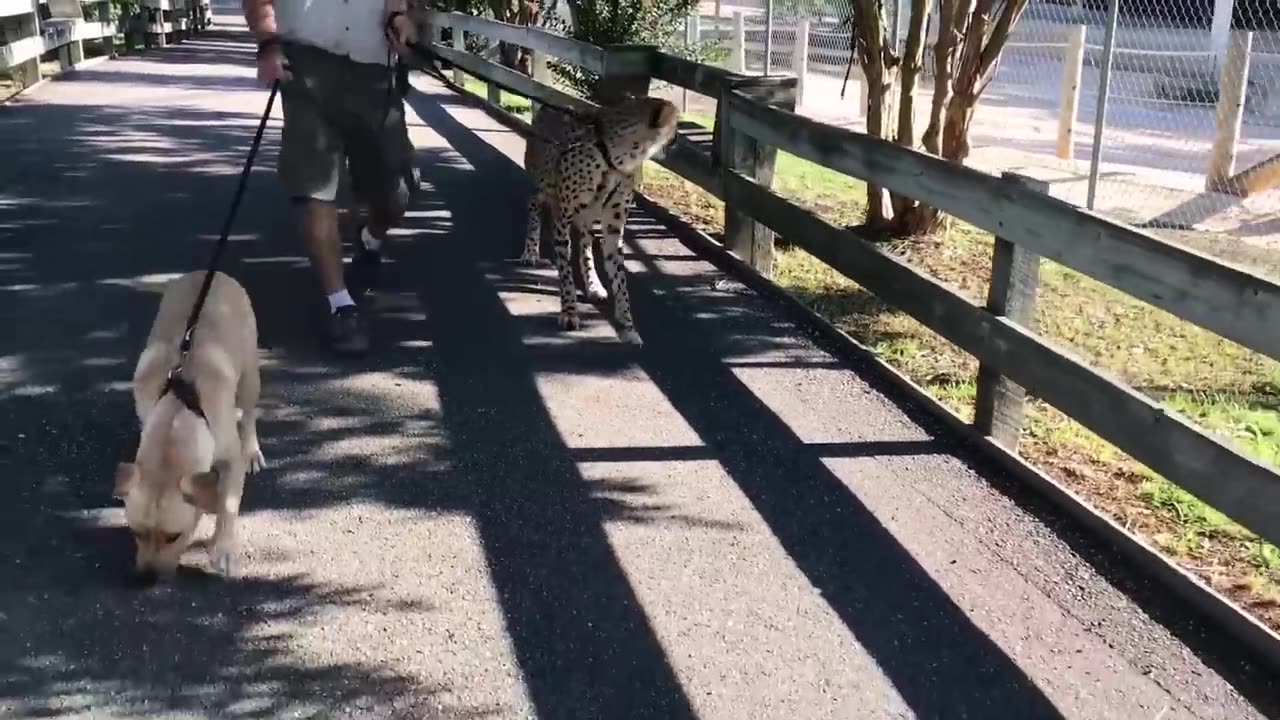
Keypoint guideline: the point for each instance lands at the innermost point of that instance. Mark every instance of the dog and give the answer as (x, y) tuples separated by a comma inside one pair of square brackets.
[(199, 435)]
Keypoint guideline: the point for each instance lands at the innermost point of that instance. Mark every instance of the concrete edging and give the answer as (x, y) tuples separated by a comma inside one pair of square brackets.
[(61, 74)]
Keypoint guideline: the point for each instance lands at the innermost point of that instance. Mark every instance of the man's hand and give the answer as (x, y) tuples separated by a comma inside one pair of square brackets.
[(401, 33), (271, 66)]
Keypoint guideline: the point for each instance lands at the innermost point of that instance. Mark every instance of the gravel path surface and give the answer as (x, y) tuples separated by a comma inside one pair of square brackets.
[(487, 517)]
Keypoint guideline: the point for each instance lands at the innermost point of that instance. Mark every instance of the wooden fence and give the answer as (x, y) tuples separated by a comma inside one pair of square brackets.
[(755, 119)]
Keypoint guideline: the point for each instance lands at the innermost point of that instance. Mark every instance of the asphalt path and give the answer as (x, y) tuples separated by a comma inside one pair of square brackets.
[(490, 518)]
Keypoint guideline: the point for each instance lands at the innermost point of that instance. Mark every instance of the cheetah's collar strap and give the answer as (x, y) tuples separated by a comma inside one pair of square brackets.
[(603, 146)]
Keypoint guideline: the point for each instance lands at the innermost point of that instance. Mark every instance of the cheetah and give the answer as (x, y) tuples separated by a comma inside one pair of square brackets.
[(584, 169)]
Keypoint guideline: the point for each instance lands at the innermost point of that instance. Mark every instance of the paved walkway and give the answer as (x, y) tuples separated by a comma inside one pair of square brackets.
[(489, 518)]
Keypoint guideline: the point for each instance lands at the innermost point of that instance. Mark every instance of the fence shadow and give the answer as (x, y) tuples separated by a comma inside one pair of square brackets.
[(686, 358), (896, 611)]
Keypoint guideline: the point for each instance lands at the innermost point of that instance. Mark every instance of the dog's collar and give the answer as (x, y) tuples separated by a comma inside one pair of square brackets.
[(185, 391)]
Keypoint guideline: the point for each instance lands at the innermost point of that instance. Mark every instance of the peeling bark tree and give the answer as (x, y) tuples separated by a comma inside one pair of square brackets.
[(880, 67), (971, 36), (516, 12)]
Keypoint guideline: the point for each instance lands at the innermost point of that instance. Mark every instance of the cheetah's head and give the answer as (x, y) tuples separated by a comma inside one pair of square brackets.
[(639, 129)]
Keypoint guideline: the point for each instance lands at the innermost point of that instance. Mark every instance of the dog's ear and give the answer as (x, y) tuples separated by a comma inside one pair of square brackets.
[(201, 489), (126, 478)]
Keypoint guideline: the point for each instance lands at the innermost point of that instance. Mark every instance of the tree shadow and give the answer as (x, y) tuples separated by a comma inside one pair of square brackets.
[(898, 613), (75, 243), (87, 240)]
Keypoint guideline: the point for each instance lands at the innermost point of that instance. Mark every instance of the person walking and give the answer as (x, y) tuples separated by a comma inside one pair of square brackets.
[(331, 58)]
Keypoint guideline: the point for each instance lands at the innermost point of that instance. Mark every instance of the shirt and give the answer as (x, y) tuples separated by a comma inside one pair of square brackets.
[(352, 28)]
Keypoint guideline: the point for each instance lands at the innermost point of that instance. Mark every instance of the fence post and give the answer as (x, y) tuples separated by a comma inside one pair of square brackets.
[(737, 151), (768, 37), (1015, 278), (1069, 103), (1232, 82), (627, 71), (692, 32), (459, 44), (1104, 91), (738, 43), (800, 58), (494, 94), (542, 73)]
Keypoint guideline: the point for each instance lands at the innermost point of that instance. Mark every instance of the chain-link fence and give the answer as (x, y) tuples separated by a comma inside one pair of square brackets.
[(1190, 89)]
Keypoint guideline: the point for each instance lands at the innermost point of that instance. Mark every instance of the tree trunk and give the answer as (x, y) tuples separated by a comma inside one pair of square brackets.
[(879, 67), (530, 15), (912, 63), (943, 51), (965, 59), (507, 11)]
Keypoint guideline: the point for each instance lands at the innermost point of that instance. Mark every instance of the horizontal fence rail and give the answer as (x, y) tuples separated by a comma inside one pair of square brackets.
[(1231, 302), (584, 55), (755, 119)]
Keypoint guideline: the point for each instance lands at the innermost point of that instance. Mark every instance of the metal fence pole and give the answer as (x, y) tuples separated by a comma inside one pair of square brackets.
[(1104, 88), (768, 37)]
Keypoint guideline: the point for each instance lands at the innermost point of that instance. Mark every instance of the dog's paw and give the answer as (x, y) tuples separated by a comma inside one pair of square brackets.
[(255, 460), (224, 559), (630, 337), (569, 321)]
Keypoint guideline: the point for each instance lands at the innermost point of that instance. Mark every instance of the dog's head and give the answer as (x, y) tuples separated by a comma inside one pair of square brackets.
[(166, 490)]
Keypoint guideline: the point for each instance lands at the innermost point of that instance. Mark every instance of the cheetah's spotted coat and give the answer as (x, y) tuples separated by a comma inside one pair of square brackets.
[(583, 170)]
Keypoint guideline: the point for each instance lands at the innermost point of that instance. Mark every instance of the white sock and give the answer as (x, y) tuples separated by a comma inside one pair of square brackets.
[(370, 242), (340, 299)]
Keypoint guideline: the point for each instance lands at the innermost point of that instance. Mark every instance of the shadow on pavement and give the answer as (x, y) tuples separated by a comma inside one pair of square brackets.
[(896, 611), (89, 230)]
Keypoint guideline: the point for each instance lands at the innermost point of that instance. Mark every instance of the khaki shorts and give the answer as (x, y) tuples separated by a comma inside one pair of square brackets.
[(340, 116)]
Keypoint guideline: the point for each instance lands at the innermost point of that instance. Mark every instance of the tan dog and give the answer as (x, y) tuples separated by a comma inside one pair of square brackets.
[(188, 465)]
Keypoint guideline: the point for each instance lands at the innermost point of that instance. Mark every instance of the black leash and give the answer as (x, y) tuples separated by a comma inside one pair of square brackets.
[(181, 387)]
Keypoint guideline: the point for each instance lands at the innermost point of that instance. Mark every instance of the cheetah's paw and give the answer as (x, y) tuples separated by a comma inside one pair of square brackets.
[(569, 321), (532, 260), (595, 292)]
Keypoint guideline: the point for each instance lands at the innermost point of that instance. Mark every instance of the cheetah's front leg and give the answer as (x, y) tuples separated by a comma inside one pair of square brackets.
[(533, 235), (593, 288), (615, 218), (568, 293)]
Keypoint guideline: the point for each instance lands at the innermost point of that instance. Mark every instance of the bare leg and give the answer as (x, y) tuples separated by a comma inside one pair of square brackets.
[(387, 214), (320, 233)]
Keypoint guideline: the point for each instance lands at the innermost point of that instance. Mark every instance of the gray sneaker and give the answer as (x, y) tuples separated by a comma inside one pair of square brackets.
[(348, 332)]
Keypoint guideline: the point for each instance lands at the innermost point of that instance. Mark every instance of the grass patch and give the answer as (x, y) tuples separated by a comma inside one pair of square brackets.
[(1223, 387), (512, 103)]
